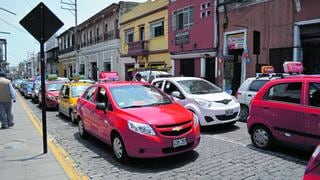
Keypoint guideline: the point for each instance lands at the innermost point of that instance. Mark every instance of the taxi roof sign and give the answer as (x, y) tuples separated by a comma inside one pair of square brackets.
[(105, 76), (267, 69), (293, 67)]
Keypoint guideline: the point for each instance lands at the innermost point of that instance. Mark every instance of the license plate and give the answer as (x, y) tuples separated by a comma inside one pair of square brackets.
[(229, 112), (179, 142)]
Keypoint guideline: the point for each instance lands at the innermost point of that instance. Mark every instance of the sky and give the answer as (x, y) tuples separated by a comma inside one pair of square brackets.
[(20, 44)]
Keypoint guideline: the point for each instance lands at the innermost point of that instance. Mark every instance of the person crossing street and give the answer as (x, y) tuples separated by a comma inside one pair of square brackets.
[(7, 96)]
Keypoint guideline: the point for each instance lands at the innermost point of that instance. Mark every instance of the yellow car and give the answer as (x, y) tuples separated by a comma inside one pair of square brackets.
[(68, 97)]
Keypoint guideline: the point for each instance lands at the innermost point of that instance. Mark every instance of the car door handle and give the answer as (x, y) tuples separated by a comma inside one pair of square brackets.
[(249, 95), (264, 107)]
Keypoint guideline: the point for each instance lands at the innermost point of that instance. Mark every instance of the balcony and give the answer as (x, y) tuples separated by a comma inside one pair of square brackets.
[(66, 50), (138, 48), (114, 34)]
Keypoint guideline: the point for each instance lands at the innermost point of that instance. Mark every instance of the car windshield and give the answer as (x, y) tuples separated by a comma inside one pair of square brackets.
[(199, 87), (76, 91), (54, 86), (134, 96)]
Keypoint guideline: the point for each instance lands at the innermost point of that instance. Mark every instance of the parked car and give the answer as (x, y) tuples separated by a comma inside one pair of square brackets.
[(286, 110), (35, 91), (248, 90), (68, 97), (313, 168), (51, 94), (22, 86), (205, 100), (27, 89), (137, 120), (150, 75)]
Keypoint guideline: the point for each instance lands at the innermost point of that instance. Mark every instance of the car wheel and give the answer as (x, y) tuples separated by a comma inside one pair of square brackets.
[(244, 113), (81, 129), (119, 150), (261, 137), (72, 118)]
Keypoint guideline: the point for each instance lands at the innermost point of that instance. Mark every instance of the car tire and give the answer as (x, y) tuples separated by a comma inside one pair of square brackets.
[(261, 137), (119, 150), (81, 129), (244, 113), (72, 118)]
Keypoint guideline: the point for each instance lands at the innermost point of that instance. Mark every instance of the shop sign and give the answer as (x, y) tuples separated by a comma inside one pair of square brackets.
[(236, 41), (182, 38)]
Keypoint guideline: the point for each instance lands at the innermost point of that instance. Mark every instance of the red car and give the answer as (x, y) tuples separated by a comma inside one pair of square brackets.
[(52, 94), (313, 167), (286, 110), (137, 120)]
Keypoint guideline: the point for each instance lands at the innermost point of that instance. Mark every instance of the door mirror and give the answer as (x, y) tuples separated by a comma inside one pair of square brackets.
[(176, 94), (101, 106)]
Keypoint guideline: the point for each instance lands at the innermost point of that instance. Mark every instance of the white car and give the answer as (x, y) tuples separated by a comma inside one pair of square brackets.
[(207, 101), (150, 75), (246, 92)]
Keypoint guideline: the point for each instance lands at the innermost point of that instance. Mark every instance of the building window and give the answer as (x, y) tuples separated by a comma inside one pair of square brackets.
[(203, 6), (129, 36), (141, 30), (203, 14), (183, 19), (106, 66), (97, 31), (106, 28), (82, 69), (208, 4), (157, 29)]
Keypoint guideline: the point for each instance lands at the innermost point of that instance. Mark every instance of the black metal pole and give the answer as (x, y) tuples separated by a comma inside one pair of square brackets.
[(43, 90)]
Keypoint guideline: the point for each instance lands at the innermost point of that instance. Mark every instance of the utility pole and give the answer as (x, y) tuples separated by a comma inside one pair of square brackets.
[(72, 8)]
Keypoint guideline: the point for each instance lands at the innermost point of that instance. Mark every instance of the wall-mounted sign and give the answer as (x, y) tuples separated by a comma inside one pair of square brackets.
[(182, 38), (236, 41)]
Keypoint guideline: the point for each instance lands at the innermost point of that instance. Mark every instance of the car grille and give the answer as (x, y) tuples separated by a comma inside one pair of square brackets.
[(175, 129), (173, 150), (225, 118), (176, 133)]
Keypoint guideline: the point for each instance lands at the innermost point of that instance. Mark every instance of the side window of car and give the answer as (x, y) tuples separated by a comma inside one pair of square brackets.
[(63, 90), (158, 84), (170, 87), (67, 93), (90, 94), (314, 94), (285, 92), (256, 85), (101, 96)]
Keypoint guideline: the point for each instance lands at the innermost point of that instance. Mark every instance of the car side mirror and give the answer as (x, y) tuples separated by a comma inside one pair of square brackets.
[(176, 94), (101, 106)]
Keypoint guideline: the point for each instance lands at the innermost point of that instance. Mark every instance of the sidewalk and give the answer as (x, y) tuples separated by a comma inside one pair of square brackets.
[(21, 153)]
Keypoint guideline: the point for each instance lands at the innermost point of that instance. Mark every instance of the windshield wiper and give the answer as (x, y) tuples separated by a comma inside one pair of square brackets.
[(133, 106)]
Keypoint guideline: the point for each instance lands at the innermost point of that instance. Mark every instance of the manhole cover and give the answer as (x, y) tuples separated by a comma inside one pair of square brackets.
[(13, 144)]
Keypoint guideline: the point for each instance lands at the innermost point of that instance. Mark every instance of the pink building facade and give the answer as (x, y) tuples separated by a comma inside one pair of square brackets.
[(191, 36)]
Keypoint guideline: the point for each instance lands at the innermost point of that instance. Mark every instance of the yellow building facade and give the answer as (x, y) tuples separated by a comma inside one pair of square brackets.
[(144, 35)]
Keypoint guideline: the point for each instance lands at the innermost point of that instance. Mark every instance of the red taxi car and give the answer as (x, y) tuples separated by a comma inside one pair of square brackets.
[(52, 94), (313, 168), (287, 110), (137, 120)]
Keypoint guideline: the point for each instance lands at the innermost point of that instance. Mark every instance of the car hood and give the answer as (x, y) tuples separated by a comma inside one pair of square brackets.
[(53, 93), (213, 97), (158, 115), (217, 99)]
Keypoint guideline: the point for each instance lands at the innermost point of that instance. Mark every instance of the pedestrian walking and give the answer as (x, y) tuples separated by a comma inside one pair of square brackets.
[(7, 96)]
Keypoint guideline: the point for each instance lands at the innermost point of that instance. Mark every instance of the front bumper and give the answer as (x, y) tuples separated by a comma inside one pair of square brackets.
[(143, 146), (216, 116)]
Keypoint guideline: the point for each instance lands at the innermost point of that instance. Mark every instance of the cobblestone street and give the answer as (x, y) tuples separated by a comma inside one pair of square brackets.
[(223, 153)]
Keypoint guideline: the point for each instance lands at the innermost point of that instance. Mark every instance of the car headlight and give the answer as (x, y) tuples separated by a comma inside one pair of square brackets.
[(203, 103), (141, 128), (195, 120)]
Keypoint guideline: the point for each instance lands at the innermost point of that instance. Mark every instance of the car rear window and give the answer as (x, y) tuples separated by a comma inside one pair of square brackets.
[(257, 84)]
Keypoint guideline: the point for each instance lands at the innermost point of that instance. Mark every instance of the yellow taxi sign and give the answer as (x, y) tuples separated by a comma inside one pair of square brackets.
[(267, 69)]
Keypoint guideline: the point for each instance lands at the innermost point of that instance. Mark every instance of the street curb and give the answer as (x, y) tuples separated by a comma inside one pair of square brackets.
[(60, 154)]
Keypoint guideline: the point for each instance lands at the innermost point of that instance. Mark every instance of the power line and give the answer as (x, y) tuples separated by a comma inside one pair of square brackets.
[(6, 10), (15, 27)]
